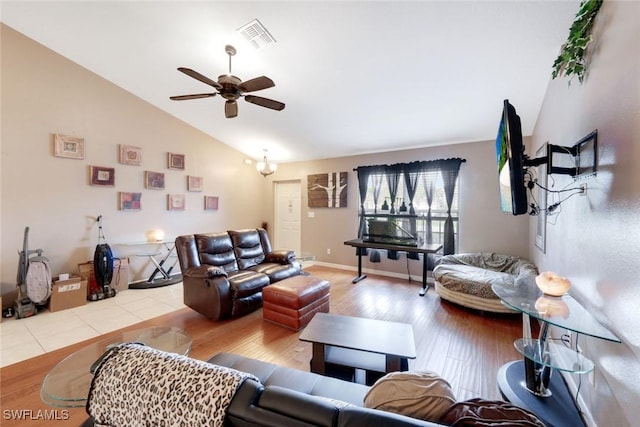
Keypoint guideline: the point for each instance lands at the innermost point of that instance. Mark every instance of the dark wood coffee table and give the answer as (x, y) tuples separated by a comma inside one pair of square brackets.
[(367, 344)]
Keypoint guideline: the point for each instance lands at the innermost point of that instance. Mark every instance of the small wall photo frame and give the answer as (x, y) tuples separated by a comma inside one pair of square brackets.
[(154, 180), (175, 202), (130, 201), (102, 176), (70, 147), (175, 161), (130, 155), (210, 203), (194, 183)]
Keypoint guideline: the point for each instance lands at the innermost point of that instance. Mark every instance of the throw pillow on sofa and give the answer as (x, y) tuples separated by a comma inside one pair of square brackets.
[(422, 395), (489, 413)]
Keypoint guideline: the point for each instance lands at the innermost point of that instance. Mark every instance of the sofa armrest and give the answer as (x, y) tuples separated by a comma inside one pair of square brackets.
[(210, 297), (353, 416), (205, 272), (281, 257), (299, 406)]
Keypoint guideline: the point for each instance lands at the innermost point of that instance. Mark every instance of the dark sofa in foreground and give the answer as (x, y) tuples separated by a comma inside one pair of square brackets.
[(136, 385), (290, 397), (224, 273)]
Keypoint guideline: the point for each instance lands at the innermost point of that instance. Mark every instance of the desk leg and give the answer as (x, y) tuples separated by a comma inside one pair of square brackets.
[(392, 364), (158, 269), (159, 265), (425, 267), (360, 275), (317, 358)]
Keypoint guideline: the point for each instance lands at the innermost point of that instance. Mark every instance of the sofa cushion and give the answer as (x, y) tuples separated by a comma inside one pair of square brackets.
[(246, 283), (277, 272), (216, 249), (422, 395), (271, 374), (471, 280), (489, 413), (247, 247)]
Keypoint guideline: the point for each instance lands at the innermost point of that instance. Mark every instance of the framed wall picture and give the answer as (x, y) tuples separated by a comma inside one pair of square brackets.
[(102, 176), (210, 203), (130, 201), (70, 147), (130, 155), (327, 190), (194, 183), (175, 161), (541, 198), (154, 180), (175, 202)]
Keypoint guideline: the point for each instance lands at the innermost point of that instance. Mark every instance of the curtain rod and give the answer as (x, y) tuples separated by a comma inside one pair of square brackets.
[(415, 162)]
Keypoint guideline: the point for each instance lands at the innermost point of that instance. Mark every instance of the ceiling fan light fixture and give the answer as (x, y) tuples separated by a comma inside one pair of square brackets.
[(264, 167)]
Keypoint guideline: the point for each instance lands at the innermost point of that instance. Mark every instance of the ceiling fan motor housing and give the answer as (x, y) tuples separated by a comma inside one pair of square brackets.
[(229, 85)]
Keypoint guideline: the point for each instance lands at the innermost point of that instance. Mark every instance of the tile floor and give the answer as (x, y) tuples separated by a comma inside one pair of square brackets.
[(22, 339)]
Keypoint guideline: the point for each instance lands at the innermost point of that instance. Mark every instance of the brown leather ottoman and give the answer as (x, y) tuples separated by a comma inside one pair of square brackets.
[(292, 302)]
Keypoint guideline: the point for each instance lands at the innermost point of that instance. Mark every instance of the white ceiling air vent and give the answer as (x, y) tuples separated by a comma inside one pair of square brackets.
[(256, 34)]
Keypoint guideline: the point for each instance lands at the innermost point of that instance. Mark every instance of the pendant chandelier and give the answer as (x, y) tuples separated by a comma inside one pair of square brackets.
[(266, 168)]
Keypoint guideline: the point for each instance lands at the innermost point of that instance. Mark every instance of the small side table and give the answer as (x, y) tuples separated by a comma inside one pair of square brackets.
[(67, 384), (530, 383), (158, 253)]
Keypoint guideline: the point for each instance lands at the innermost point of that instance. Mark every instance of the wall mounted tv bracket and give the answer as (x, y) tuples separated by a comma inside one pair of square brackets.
[(584, 153)]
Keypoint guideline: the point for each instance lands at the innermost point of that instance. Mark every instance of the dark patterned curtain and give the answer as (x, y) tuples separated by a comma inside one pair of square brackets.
[(414, 172), (449, 169), (393, 173), (364, 173), (376, 182), (428, 182), (411, 174)]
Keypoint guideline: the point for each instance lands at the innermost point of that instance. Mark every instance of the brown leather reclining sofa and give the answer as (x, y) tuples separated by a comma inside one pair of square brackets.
[(224, 273)]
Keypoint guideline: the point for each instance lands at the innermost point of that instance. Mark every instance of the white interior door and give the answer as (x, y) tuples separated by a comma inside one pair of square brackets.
[(287, 204)]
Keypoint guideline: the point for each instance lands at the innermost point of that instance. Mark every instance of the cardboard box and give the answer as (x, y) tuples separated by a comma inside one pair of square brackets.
[(120, 280), (68, 294)]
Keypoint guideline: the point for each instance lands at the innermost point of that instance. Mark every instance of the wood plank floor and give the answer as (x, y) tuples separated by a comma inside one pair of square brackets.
[(463, 346)]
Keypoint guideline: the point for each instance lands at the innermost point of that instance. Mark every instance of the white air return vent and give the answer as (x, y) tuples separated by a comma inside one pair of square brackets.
[(256, 34)]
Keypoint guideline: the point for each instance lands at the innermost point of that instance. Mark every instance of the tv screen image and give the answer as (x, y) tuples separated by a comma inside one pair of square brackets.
[(510, 156)]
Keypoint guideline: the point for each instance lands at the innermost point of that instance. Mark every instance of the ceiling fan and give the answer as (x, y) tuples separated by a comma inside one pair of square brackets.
[(231, 88)]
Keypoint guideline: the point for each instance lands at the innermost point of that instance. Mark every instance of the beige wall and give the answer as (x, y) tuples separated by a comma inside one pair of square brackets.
[(43, 93), (482, 226), (595, 239)]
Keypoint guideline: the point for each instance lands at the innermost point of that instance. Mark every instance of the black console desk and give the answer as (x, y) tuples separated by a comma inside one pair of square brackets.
[(423, 249)]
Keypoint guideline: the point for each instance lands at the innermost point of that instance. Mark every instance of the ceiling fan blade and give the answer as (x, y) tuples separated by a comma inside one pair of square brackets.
[(259, 83), (265, 102), (196, 75), (230, 109), (194, 96)]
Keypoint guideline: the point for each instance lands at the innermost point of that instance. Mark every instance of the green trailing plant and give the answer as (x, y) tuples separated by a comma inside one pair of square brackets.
[(571, 61)]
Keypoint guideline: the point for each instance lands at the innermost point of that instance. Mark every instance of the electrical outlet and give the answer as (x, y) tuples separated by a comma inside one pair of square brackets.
[(583, 187), (328, 251)]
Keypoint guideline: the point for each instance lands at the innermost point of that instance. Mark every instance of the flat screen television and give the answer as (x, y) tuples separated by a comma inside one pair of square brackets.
[(510, 157)]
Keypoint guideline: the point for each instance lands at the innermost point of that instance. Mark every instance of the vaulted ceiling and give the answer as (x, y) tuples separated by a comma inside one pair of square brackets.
[(356, 77)]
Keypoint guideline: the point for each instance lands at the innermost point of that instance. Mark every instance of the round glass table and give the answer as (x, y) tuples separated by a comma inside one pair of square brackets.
[(67, 384)]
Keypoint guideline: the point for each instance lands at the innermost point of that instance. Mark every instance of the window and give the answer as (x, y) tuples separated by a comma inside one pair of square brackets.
[(427, 177)]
